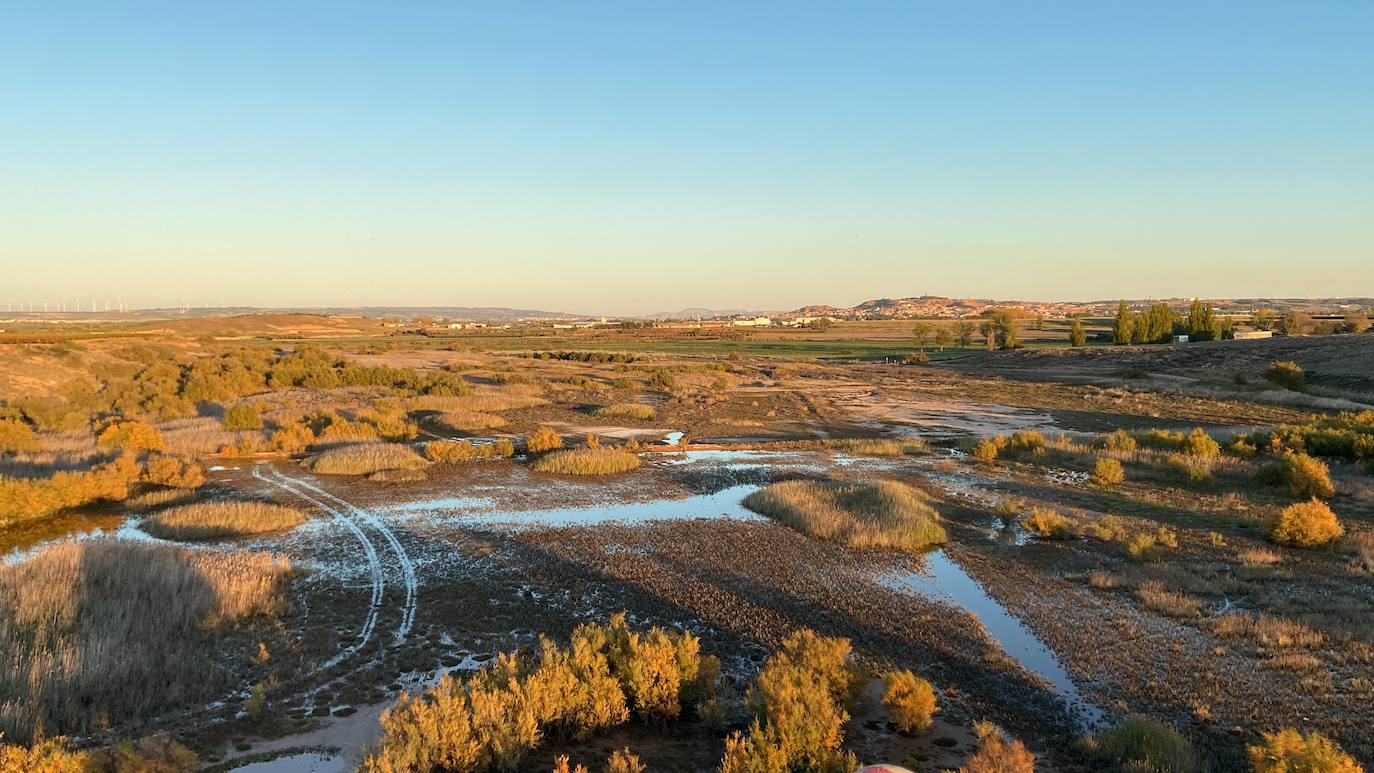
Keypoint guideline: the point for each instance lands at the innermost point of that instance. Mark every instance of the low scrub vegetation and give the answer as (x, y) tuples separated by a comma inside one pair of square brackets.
[(105, 631), (1145, 745), (462, 450), (909, 700), (242, 416), (1289, 751), (492, 721), (1154, 596), (798, 705), (366, 458), (155, 754), (469, 421), (1047, 524), (878, 514), (1108, 472), (1303, 475), (543, 439), (1308, 524), (637, 411), (221, 520), (1286, 374), (586, 461), (997, 753), (26, 498)]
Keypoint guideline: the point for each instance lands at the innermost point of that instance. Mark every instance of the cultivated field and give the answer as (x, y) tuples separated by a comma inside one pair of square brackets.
[(693, 551)]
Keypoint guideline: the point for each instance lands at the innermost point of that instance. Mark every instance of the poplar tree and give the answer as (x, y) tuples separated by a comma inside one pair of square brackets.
[(1121, 326)]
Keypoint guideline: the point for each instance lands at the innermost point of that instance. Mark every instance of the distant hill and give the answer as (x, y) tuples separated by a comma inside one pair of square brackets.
[(473, 313)]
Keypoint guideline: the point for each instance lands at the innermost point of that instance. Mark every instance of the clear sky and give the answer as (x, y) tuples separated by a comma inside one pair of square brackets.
[(646, 156)]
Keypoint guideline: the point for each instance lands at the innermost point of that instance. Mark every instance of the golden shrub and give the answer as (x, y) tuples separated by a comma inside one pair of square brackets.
[(1308, 524), (624, 761), (543, 439), (909, 700), (131, 436), (1108, 472), (1289, 751), (997, 753), (1047, 524)]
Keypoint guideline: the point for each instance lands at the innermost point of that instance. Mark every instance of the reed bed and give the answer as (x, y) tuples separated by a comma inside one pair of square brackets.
[(469, 421), (366, 458), (156, 498), (876, 514), (637, 411), (221, 520), (484, 402), (860, 446), (99, 632), (586, 461)]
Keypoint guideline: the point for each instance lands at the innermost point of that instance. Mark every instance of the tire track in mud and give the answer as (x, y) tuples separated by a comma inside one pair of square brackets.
[(355, 516), (378, 580)]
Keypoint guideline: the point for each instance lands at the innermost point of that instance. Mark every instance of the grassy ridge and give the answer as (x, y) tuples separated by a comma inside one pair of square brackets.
[(877, 514), (220, 520)]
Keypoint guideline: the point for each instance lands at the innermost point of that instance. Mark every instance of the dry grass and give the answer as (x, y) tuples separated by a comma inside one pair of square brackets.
[(366, 458), (1267, 631), (99, 632), (1154, 596), (876, 514), (637, 411), (460, 450), (469, 421), (586, 461), (221, 520), (486, 402), (861, 446)]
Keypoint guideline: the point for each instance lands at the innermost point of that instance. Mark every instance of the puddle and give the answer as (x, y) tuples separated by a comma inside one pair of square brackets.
[(312, 762), (721, 504), (944, 580), (27, 537)]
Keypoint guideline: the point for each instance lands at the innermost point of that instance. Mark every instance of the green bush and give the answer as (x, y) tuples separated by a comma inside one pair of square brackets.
[(1141, 745), (243, 416), (1304, 475), (1119, 441), (1286, 374), (1198, 443)]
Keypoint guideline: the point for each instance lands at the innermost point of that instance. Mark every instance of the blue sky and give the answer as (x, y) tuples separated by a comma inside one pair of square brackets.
[(638, 157)]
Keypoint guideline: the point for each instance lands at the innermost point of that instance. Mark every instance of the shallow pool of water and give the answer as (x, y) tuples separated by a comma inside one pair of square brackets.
[(311, 762), (720, 504), (942, 579)]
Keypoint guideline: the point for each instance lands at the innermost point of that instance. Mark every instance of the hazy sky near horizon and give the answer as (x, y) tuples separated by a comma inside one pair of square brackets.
[(639, 157)]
